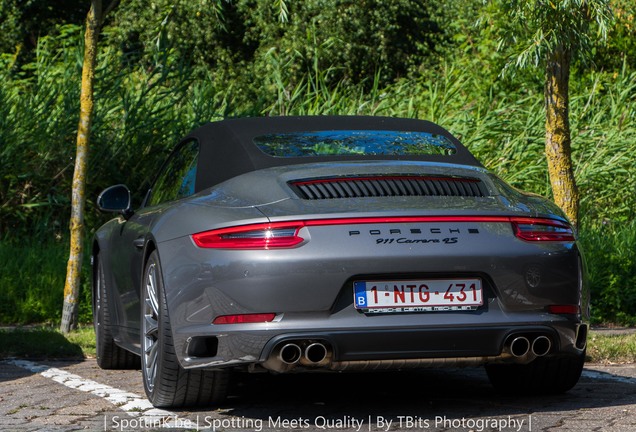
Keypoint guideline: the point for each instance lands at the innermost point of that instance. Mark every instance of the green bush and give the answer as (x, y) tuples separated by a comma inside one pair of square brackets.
[(356, 38)]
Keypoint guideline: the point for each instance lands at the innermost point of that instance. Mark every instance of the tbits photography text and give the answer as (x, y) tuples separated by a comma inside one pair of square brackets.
[(371, 423)]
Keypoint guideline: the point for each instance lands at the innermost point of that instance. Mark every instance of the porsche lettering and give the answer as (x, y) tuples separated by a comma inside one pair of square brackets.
[(398, 231)]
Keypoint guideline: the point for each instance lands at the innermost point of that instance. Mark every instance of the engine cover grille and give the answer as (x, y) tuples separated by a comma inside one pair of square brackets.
[(388, 186)]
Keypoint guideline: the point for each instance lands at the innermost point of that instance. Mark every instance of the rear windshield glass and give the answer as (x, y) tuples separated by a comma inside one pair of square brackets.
[(354, 142)]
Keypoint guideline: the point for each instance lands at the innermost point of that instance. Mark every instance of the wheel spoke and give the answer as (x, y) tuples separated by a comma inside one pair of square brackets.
[(152, 374), (151, 328), (149, 311), (151, 289), (152, 355)]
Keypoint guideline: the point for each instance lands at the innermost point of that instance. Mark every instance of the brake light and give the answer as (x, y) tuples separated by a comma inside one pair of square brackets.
[(534, 229), (244, 318), (256, 236)]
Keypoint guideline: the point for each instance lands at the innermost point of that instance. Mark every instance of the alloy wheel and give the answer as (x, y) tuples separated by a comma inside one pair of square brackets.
[(150, 326)]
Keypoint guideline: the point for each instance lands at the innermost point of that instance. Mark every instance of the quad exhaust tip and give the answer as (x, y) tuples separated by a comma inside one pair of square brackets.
[(541, 346), (316, 353), (520, 346), (290, 354)]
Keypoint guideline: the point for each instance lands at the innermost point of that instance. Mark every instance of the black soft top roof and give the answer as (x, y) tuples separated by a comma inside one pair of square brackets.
[(227, 148)]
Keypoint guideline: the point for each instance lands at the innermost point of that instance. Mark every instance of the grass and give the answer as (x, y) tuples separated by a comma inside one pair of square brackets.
[(50, 343), (32, 282), (47, 343), (611, 349)]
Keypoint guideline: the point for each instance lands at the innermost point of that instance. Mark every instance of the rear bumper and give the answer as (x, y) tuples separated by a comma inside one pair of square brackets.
[(381, 348)]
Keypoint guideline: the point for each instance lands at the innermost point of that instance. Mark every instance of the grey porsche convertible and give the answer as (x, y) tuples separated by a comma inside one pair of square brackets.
[(334, 243)]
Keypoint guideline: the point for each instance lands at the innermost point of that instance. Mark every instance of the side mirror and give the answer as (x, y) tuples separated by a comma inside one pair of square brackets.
[(115, 199)]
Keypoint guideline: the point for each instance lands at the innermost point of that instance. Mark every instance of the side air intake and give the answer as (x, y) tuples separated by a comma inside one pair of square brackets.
[(388, 186)]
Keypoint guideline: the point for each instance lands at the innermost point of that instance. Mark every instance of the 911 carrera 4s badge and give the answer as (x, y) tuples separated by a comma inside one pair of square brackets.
[(431, 295), (403, 240)]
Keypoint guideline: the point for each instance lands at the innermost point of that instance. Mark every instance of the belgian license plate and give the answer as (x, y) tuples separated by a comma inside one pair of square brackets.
[(418, 295)]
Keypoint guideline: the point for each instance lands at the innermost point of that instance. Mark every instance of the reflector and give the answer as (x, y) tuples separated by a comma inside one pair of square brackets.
[(244, 318), (564, 309)]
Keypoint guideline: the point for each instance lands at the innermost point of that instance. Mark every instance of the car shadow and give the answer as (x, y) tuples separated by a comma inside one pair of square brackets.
[(35, 344), (421, 394)]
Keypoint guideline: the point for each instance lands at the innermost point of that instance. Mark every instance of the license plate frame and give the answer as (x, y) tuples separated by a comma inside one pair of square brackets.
[(418, 295)]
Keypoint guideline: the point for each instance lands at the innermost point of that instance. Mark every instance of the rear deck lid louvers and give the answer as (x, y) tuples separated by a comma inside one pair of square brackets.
[(388, 186)]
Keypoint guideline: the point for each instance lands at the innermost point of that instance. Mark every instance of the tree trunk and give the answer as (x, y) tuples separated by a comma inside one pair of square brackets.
[(74, 267), (558, 142)]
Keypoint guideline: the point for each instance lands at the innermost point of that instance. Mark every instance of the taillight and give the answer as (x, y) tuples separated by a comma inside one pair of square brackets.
[(244, 318), (535, 229), (286, 234), (256, 236)]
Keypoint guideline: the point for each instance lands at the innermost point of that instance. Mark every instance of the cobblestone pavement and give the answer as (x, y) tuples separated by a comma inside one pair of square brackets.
[(68, 396)]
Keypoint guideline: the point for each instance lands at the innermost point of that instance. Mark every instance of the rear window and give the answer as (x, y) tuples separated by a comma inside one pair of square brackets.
[(354, 142)]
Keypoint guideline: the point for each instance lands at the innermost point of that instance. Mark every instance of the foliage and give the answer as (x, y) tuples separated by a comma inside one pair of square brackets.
[(32, 281), (23, 22), (532, 29), (604, 133), (611, 258), (620, 47), (38, 113), (151, 90), (354, 39), (138, 116)]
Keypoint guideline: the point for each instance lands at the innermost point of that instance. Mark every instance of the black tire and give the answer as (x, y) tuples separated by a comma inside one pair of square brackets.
[(109, 354), (544, 375), (166, 383)]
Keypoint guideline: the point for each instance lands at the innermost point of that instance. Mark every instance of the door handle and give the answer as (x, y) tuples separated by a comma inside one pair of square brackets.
[(139, 243)]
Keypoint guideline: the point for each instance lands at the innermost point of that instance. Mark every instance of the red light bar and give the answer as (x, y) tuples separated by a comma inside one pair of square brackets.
[(244, 318), (286, 234)]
